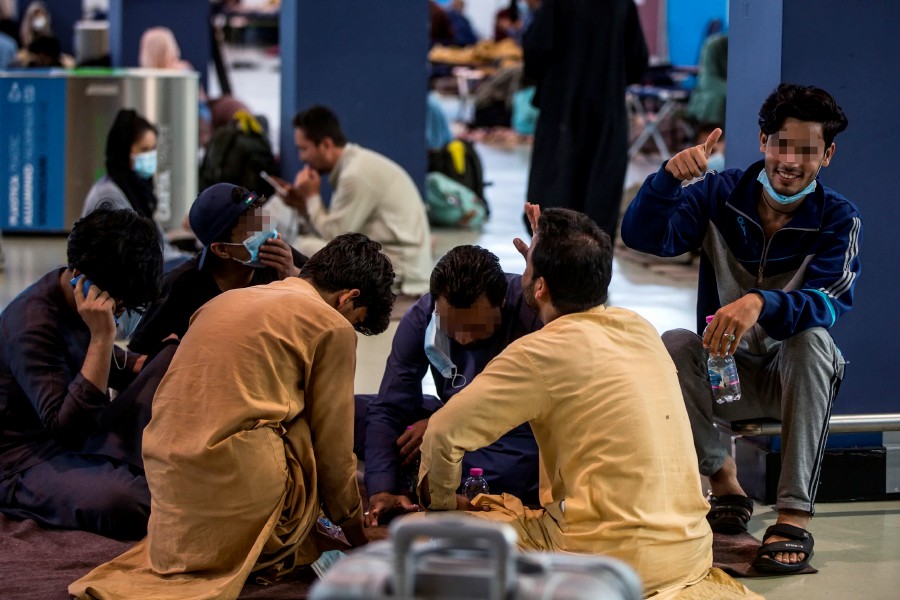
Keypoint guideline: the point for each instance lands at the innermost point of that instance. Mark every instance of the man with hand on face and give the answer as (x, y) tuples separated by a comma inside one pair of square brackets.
[(372, 195), (69, 456), (779, 262), (474, 311), (239, 250)]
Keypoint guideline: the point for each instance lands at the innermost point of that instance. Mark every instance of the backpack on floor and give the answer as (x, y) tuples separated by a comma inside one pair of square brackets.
[(459, 161), (236, 154), (451, 204)]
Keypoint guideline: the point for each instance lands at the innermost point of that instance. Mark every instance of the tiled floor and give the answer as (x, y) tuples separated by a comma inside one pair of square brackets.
[(857, 544)]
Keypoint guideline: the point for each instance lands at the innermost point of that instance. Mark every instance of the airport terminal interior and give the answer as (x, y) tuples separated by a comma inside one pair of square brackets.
[(857, 552)]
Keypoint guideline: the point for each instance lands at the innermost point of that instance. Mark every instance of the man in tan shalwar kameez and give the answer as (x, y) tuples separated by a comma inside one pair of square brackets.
[(252, 432), (600, 392)]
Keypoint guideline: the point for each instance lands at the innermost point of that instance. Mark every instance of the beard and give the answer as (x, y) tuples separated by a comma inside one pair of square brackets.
[(528, 295)]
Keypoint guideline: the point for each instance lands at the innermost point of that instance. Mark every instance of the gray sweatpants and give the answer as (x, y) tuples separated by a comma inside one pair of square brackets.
[(796, 382)]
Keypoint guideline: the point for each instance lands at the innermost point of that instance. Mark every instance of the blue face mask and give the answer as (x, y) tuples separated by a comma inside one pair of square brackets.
[(524, 10), (253, 244), (715, 162), (145, 164), (763, 178), (437, 349)]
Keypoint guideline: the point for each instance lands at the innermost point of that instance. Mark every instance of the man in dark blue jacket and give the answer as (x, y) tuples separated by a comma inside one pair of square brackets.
[(473, 312), (779, 262)]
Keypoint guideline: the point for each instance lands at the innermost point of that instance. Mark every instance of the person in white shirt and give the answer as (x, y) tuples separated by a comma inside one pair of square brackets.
[(372, 195)]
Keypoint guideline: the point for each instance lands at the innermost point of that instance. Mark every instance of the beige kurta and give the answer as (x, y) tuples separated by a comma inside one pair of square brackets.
[(619, 470), (375, 196), (258, 397)]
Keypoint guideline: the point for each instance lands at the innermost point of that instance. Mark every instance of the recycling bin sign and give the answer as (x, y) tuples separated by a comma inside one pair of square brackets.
[(32, 153)]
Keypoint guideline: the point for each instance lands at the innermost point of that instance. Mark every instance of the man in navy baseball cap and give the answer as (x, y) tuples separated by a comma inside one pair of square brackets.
[(240, 249), (218, 210)]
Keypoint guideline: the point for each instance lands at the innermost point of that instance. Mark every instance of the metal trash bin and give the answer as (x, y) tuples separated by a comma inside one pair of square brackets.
[(91, 41), (53, 129)]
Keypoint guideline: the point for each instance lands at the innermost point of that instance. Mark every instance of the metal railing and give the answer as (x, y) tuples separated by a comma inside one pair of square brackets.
[(837, 424)]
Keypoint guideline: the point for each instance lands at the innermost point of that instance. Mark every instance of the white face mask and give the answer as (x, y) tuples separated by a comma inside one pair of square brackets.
[(39, 23), (437, 349), (715, 162)]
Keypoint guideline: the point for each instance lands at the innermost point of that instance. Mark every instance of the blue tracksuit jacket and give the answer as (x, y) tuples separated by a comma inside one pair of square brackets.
[(806, 272)]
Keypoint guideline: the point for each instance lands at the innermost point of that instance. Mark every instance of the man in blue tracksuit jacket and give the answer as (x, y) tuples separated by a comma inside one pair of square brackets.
[(778, 265), (474, 311)]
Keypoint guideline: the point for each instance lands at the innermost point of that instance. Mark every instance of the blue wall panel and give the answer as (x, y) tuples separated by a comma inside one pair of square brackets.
[(754, 70), (368, 62), (851, 50)]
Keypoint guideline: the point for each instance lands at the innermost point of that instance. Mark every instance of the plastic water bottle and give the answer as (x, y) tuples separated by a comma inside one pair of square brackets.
[(723, 376), (475, 484)]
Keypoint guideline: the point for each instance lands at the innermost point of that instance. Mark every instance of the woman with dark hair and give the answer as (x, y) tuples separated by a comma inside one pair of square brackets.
[(130, 166)]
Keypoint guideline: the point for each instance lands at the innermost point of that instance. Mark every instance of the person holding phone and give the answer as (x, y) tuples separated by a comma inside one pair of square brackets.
[(372, 195), (69, 456)]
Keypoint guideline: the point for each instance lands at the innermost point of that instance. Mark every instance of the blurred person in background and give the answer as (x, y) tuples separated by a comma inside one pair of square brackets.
[(36, 23), (592, 51), (131, 163), (160, 50)]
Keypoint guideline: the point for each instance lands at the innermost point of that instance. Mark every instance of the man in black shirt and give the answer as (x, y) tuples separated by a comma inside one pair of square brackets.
[(228, 220)]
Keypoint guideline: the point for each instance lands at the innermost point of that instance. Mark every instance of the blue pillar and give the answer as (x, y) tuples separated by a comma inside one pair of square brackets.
[(849, 50), (365, 60), (63, 16), (188, 20)]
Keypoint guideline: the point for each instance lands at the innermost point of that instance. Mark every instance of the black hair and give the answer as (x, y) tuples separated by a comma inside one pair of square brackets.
[(353, 261), (465, 274), (512, 11), (120, 251), (127, 128), (9, 27), (319, 122), (47, 46), (804, 103), (574, 256)]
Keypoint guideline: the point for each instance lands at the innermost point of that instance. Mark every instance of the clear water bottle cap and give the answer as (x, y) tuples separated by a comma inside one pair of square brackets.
[(476, 472), (710, 318)]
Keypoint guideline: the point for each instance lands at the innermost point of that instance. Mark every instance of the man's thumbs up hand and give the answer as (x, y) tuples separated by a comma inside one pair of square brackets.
[(691, 163)]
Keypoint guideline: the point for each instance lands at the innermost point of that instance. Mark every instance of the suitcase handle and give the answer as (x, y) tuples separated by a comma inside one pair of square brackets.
[(457, 532)]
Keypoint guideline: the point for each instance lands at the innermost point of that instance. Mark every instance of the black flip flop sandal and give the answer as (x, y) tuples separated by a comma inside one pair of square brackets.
[(729, 514), (800, 540)]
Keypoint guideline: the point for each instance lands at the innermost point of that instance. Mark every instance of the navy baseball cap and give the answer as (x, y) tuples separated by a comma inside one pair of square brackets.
[(217, 210)]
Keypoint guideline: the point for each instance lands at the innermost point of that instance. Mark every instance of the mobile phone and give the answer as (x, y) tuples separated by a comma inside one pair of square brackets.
[(85, 287), (271, 181), (84, 290)]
